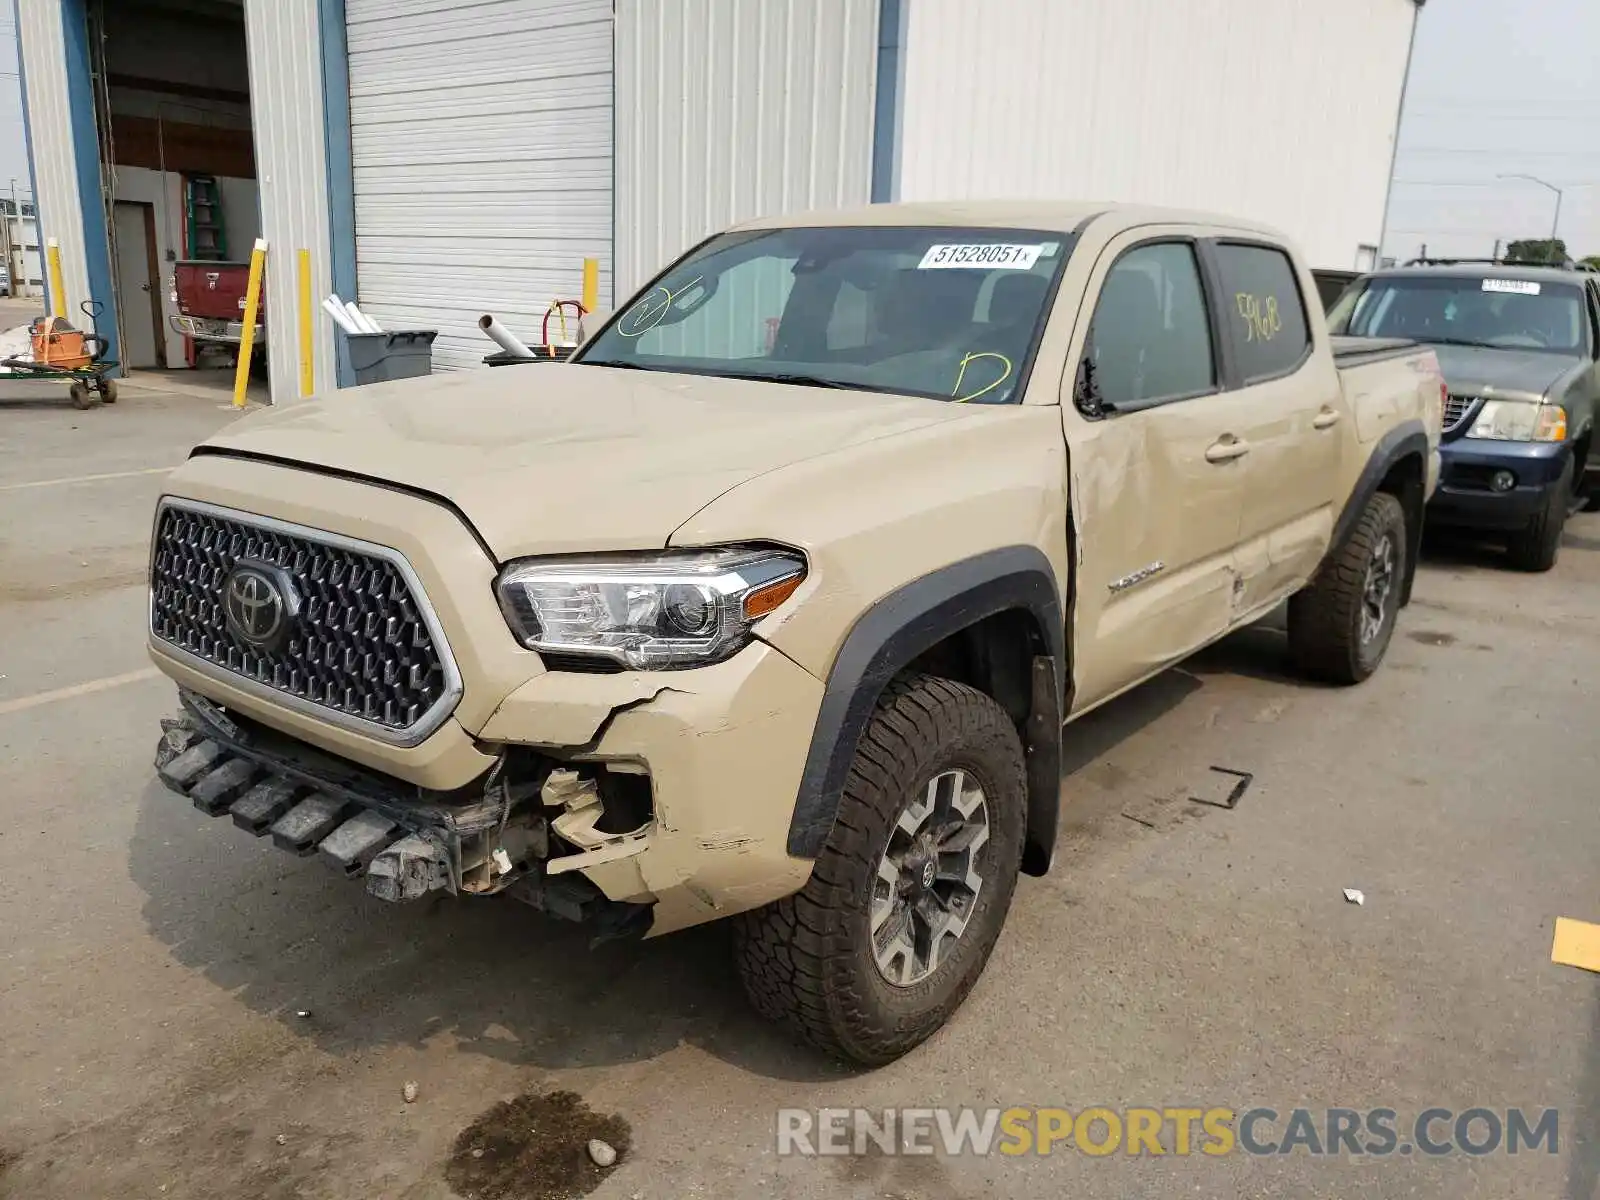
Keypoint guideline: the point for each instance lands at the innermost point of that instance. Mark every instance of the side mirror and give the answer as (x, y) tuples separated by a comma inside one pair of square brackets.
[(1086, 391), (589, 324)]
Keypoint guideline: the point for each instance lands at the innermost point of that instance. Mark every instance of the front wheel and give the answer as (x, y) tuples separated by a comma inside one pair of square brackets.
[(1536, 547), (911, 889), (1340, 624)]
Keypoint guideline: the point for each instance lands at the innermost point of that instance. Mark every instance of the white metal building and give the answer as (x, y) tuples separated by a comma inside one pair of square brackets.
[(438, 167)]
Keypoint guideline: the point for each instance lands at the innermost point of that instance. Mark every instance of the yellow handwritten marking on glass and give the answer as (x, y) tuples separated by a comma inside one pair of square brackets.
[(961, 374), (1261, 320), (646, 314)]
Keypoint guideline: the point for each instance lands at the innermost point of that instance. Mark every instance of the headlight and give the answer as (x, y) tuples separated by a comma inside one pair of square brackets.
[(1519, 421), (657, 611)]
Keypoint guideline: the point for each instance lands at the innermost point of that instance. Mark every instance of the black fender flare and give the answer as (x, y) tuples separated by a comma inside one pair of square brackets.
[(906, 623), (1406, 438)]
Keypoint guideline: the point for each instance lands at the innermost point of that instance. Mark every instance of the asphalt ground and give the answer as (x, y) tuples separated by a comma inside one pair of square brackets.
[(153, 962)]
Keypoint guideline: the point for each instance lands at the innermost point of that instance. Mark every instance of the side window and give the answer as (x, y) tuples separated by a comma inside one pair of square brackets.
[(1151, 337), (1265, 314)]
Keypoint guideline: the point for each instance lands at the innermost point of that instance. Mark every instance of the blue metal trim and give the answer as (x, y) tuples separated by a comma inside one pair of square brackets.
[(341, 168), (892, 18), (33, 178), (86, 153)]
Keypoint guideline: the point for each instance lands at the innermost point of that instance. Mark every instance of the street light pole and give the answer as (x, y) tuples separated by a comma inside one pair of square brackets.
[(1555, 225)]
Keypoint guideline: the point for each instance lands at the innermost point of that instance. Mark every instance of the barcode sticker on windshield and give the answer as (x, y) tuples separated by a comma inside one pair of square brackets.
[(1521, 287), (986, 257)]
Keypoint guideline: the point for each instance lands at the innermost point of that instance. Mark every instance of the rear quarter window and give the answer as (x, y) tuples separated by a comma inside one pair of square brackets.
[(1264, 310)]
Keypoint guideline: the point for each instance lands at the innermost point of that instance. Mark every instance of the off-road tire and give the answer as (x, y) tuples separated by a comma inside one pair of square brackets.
[(1536, 547), (807, 960), (1325, 616)]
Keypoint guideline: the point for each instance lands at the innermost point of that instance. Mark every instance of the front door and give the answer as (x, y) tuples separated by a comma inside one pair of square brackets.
[(138, 300), (1296, 423), (1158, 478)]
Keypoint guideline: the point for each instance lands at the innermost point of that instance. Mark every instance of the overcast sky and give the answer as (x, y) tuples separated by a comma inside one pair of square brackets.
[(13, 154), (1499, 87)]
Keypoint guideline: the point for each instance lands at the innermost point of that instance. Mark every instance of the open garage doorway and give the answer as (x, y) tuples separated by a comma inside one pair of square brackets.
[(177, 161)]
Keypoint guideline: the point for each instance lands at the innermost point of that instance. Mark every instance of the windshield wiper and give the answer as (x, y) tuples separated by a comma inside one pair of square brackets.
[(1445, 341), (809, 381), (620, 364), (782, 377)]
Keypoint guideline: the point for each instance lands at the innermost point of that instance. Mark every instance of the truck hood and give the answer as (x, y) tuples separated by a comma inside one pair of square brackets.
[(560, 458), (1479, 370)]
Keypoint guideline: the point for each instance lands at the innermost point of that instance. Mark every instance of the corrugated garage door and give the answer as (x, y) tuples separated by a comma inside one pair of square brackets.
[(481, 138)]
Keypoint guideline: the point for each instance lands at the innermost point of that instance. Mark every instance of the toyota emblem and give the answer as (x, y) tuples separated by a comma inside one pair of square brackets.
[(260, 605)]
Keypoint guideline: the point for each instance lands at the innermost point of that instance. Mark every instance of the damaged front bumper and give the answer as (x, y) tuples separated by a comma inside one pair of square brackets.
[(662, 801), (406, 842)]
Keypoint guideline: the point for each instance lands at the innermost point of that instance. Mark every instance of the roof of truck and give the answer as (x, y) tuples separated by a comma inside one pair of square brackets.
[(1066, 216), (1485, 270)]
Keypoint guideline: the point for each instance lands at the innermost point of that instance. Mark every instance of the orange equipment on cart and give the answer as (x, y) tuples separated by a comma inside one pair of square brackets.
[(61, 352), (57, 344)]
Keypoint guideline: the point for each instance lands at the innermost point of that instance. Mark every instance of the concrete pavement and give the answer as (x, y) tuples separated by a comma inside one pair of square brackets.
[(153, 962)]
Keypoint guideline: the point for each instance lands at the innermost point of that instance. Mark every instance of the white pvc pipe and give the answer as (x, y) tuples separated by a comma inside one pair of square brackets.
[(343, 307), (368, 325), (334, 307), (503, 337)]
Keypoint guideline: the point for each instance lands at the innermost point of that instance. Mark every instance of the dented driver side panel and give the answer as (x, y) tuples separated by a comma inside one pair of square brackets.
[(1157, 501)]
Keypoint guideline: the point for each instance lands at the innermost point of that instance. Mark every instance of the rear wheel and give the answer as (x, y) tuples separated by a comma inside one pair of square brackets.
[(909, 894), (82, 397), (1537, 547), (1341, 623)]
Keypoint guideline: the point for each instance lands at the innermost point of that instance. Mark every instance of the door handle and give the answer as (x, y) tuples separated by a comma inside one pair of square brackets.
[(144, 287), (1326, 419), (1226, 449)]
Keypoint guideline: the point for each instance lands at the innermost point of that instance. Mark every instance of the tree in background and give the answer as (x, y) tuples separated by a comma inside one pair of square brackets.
[(1538, 252), (1592, 262)]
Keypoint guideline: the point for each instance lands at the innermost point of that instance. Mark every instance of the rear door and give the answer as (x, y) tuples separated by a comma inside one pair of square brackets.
[(1295, 418), (1157, 475)]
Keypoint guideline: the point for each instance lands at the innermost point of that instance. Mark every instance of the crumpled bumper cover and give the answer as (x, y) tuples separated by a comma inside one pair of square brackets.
[(402, 848), (406, 842)]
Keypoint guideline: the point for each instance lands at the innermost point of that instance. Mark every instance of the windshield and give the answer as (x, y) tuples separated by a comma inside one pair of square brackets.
[(1507, 314), (948, 313)]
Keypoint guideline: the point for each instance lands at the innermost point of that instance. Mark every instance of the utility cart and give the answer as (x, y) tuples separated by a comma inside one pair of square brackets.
[(62, 352)]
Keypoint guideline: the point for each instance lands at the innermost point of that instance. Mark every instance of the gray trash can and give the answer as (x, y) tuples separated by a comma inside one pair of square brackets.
[(400, 354)]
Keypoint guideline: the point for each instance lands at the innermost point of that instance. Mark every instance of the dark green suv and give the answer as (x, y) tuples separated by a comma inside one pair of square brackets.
[(1519, 348)]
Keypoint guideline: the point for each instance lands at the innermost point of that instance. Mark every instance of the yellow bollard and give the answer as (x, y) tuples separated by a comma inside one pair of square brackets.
[(58, 291), (252, 306), (591, 284), (306, 361)]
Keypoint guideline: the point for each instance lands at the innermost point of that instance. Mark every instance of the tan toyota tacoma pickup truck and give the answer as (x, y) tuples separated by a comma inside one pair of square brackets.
[(772, 603)]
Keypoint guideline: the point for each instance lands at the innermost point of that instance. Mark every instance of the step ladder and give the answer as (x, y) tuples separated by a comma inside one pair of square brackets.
[(204, 235)]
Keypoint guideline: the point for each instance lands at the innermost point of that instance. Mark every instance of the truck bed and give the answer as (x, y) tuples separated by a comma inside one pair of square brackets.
[(1353, 351)]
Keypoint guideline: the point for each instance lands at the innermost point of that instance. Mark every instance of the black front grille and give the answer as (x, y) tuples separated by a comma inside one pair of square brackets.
[(361, 646)]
